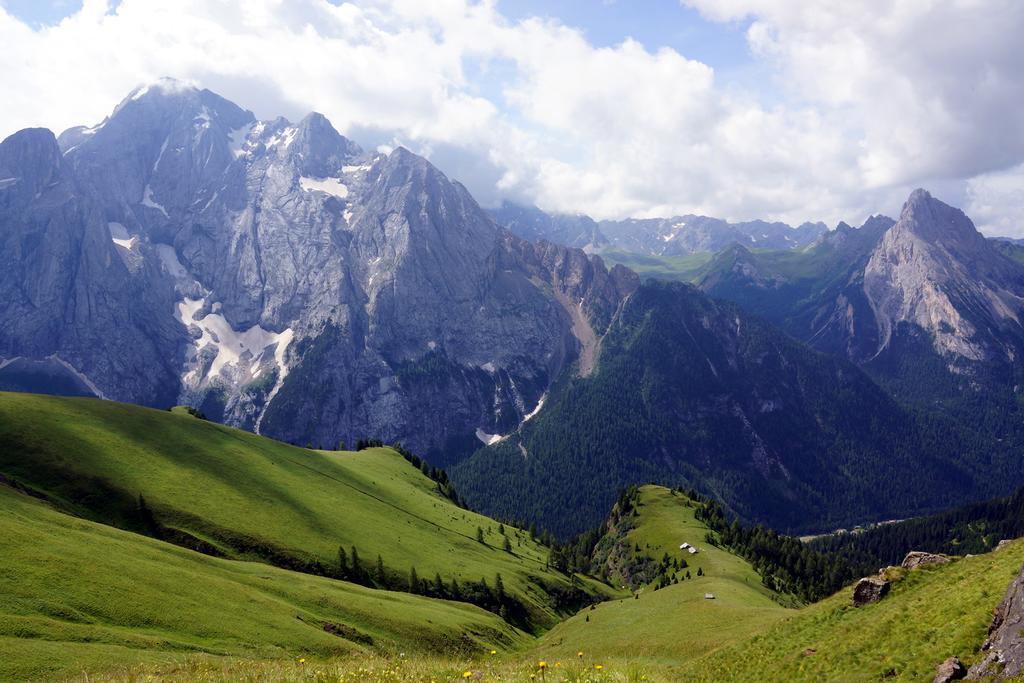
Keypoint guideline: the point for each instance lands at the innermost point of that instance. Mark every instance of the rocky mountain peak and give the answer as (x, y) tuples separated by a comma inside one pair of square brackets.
[(935, 271), (323, 149), (934, 221), (29, 161)]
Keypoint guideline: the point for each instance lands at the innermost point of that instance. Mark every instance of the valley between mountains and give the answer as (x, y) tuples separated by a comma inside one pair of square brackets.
[(276, 407)]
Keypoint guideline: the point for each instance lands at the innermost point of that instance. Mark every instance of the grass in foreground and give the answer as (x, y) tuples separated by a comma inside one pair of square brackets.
[(76, 595), (397, 669), (930, 614), (254, 498)]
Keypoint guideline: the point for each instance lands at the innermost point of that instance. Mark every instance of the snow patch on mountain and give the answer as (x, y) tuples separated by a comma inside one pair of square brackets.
[(283, 341), (332, 186), (119, 235), (238, 140), (233, 347), (169, 261), (147, 201), (283, 138)]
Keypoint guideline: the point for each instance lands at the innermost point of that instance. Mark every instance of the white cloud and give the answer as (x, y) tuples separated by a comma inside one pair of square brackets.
[(924, 89), (995, 201), (878, 97)]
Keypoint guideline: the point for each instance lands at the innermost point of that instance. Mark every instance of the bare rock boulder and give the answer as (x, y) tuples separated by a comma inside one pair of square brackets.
[(916, 558), (950, 670), (869, 590)]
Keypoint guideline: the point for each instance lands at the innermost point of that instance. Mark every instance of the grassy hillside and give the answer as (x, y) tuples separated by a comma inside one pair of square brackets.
[(674, 624), (683, 268), (247, 497), (930, 614), (79, 596)]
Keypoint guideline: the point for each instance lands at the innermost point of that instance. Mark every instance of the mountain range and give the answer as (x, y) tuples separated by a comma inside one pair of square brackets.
[(184, 252), (278, 278), (675, 236)]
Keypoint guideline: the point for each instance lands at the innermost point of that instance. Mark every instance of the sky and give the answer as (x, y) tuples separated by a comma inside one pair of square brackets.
[(739, 109)]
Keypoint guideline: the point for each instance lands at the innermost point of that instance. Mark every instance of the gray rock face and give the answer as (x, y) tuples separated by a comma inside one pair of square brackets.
[(66, 293), (868, 590), (535, 225), (917, 558), (935, 271), (950, 670), (1004, 647), (281, 279)]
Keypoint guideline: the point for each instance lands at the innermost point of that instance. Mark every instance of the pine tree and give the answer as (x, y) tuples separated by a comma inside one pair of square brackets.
[(454, 590), (357, 568), (700, 571), (499, 588), (414, 581), (479, 535), (501, 528), (438, 584), (381, 576), (508, 545), (342, 562)]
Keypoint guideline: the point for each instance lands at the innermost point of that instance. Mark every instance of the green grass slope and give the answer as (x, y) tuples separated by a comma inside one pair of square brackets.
[(674, 624), (930, 614), (80, 596), (683, 268), (248, 497)]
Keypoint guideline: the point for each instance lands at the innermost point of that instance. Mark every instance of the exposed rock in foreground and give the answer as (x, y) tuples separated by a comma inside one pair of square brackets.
[(1004, 647), (950, 670), (868, 590)]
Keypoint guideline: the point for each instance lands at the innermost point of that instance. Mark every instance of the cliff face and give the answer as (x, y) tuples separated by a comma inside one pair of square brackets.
[(280, 278), (933, 270)]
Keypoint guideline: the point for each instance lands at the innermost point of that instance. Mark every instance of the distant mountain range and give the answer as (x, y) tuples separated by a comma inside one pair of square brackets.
[(698, 392), (676, 236), (278, 278)]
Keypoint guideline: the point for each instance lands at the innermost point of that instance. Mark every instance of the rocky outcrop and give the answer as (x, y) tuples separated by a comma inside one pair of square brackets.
[(869, 590), (950, 670), (934, 271), (917, 558), (1004, 647)]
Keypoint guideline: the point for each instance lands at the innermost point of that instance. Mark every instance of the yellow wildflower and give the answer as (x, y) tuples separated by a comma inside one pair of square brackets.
[(580, 653), (542, 664), (598, 667), (467, 674)]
